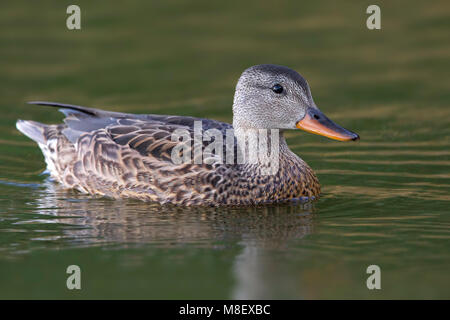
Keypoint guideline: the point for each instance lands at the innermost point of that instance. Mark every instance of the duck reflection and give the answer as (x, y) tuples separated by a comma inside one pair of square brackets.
[(129, 221), (258, 230)]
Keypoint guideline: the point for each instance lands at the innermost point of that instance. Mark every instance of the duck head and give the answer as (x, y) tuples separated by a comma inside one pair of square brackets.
[(275, 97)]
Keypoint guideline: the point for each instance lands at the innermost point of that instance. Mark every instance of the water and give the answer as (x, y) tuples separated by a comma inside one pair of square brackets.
[(385, 199)]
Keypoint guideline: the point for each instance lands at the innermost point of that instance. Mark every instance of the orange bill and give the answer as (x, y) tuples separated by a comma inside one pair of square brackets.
[(316, 122)]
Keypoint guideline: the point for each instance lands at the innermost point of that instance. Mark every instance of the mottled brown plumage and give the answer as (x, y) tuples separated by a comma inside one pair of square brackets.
[(129, 156)]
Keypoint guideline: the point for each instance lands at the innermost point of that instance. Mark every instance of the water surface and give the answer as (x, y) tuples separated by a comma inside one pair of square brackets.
[(385, 199)]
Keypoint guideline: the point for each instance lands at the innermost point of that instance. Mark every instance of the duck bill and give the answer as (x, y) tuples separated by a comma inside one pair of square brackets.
[(316, 122)]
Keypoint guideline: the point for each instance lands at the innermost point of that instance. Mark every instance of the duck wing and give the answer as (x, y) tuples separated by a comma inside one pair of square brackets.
[(149, 134)]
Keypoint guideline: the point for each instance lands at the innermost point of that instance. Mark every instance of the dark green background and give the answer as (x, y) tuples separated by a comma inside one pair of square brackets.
[(385, 199)]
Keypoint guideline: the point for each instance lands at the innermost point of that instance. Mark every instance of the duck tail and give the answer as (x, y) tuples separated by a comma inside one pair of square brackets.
[(33, 130), (47, 137)]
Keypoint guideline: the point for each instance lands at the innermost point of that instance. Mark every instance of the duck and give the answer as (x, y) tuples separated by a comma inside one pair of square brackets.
[(123, 155)]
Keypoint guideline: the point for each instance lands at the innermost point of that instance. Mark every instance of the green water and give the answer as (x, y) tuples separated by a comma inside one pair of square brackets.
[(385, 199)]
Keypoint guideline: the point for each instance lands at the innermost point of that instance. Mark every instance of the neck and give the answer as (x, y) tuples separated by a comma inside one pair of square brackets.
[(262, 148), (283, 174)]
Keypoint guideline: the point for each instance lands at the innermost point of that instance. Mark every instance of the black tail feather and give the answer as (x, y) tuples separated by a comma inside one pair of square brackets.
[(89, 111)]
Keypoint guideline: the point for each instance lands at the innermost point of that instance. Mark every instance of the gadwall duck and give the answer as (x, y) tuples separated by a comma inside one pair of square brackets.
[(123, 155)]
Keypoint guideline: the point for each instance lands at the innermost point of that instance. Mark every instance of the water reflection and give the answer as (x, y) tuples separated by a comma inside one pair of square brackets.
[(128, 221), (256, 231)]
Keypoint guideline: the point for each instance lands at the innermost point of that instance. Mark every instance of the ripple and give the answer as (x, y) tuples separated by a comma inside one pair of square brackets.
[(384, 174), (20, 184), (392, 162)]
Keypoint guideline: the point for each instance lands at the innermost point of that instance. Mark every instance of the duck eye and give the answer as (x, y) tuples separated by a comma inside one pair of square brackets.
[(277, 88)]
